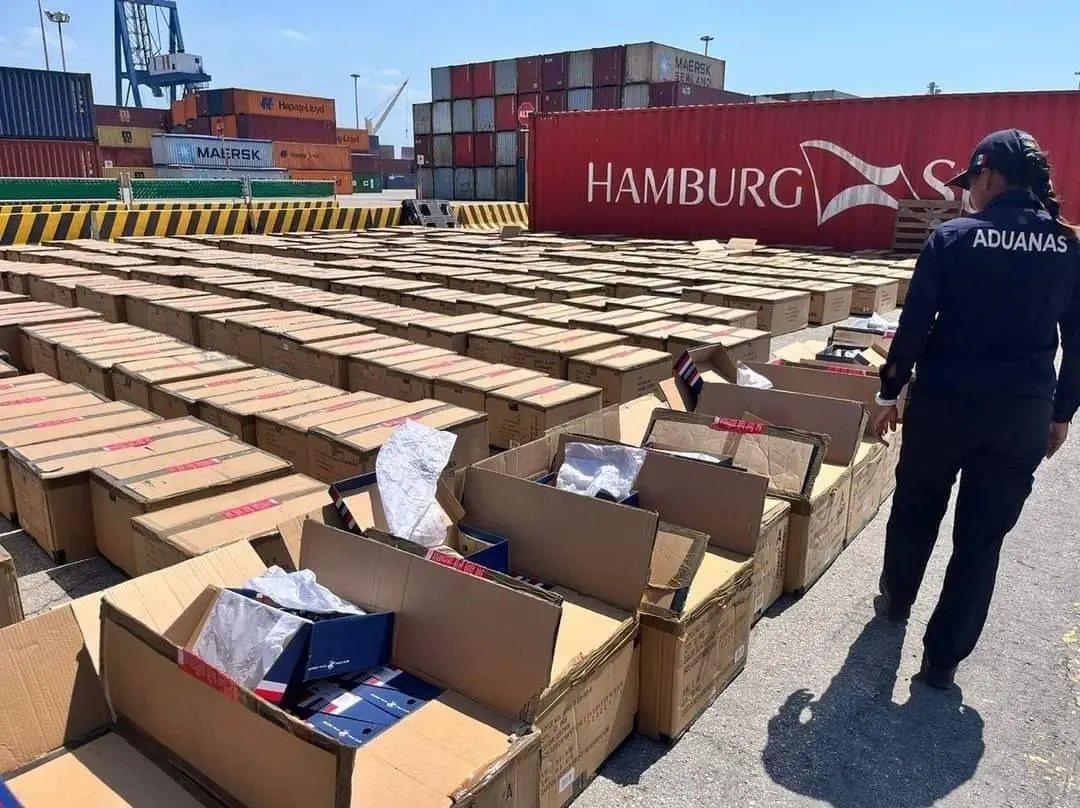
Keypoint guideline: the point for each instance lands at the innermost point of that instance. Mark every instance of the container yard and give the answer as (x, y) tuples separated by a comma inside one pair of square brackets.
[(567, 405)]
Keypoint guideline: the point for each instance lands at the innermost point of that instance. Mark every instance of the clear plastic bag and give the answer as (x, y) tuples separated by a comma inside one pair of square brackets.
[(407, 471), (751, 378), (590, 468), (300, 591)]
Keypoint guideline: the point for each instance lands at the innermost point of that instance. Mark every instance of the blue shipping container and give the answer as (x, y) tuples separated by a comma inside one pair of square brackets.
[(46, 105), (399, 182), (444, 183), (485, 184), (204, 151)]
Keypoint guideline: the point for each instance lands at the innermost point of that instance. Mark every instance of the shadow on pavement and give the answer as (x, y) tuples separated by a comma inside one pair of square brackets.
[(854, 747)]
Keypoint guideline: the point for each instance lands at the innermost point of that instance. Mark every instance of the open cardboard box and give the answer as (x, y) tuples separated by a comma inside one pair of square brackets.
[(58, 744), (472, 745)]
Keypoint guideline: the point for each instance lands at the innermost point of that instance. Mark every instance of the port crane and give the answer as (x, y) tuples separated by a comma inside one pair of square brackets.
[(149, 49), (372, 124)]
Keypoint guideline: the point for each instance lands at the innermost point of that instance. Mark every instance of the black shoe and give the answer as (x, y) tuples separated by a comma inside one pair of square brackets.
[(887, 610), (937, 678)]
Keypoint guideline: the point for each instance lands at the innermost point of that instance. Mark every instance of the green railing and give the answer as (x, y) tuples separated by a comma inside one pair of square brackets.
[(23, 189), (186, 189), (291, 189)]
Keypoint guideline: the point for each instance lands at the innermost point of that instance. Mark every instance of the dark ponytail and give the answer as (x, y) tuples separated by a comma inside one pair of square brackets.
[(1037, 179)]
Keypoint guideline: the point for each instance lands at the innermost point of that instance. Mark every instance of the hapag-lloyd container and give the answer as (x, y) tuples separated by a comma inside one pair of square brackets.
[(277, 105), (45, 104), (49, 158), (579, 69), (355, 140), (299, 130), (441, 88), (484, 114), (421, 116), (651, 63), (827, 173), (442, 118), (506, 77), (312, 156), (211, 152)]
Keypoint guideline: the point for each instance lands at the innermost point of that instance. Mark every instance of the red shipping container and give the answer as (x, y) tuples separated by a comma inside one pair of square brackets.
[(531, 98), (49, 158), (484, 148), (681, 94), (296, 130), (365, 163), (422, 144), (828, 173), (553, 102), (608, 68), (463, 150), (506, 113), (528, 75), (483, 79), (607, 98), (126, 158), (461, 82), (138, 117), (553, 72)]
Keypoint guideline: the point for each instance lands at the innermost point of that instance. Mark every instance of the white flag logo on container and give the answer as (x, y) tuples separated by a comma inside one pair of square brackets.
[(871, 192)]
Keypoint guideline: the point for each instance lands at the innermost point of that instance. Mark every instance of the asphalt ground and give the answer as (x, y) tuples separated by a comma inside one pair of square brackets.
[(825, 713)]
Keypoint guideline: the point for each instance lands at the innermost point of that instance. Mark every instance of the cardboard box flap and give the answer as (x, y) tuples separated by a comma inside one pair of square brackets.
[(488, 642), (563, 538), (50, 694), (821, 382), (627, 423), (676, 559)]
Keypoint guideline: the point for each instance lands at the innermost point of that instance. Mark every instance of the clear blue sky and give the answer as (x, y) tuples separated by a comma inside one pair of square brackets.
[(863, 47)]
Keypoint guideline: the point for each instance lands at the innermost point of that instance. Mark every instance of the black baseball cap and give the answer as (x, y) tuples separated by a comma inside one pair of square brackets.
[(1003, 151)]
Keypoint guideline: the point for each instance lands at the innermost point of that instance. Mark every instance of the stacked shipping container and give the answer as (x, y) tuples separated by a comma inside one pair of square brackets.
[(46, 124), (124, 135), (468, 140)]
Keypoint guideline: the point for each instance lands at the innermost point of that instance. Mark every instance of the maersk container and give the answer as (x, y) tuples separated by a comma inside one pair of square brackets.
[(650, 63), (442, 151), (192, 173), (579, 69), (464, 183), (579, 99), (425, 183), (608, 65), (441, 89), (635, 96), (506, 184), (485, 184), (421, 117), (211, 152), (506, 148), (46, 105), (463, 115), (829, 173), (442, 118), (553, 71), (506, 77), (49, 158), (484, 115), (444, 183), (483, 79)]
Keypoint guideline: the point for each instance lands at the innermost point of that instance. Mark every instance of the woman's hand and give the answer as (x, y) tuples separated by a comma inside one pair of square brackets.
[(1058, 434), (885, 422)]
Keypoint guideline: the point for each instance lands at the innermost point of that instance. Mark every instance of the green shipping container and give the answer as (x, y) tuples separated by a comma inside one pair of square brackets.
[(367, 183)]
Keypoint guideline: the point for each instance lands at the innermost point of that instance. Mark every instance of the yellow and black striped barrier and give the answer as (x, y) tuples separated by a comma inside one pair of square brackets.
[(138, 206), (179, 221), (34, 228), (294, 203), (492, 215), (305, 220), (383, 216), (59, 207)]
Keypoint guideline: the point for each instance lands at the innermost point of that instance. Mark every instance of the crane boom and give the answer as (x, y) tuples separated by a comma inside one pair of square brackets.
[(373, 126)]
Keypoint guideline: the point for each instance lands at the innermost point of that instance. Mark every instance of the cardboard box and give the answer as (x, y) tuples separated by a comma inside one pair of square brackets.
[(562, 539), (867, 481), (817, 529), (780, 311), (626, 423), (135, 381), (615, 321), (177, 399), (19, 386), (237, 332), (50, 427), (72, 756), (16, 316), (51, 481), (523, 412), (125, 490), (137, 304), (768, 579), (109, 301), (623, 373), (284, 432), (741, 344), (180, 318), (92, 367), (281, 344), (874, 295), (704, 313), (368, 371), (452, 333), (38, 345), (252, 514), (551, 355), (493, 344), (328, 361), (348, 447), (469, 387), (493, 677), (11, 610), (412, 381), (235, 411)]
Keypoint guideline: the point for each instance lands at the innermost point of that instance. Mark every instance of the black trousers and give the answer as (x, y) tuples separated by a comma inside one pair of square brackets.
[(994, 446)]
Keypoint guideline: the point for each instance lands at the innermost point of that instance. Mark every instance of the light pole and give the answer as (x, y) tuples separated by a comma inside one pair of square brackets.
[(707, 39), (44, 41), (1077, 73), (61, 18), (356, 96)]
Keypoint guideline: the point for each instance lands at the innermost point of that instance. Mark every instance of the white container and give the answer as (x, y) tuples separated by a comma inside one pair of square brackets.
[(579, 69), (421, 117), (442, 122), (651, 63), (440, 84), (484, 114), (635, 96), (205, 151), (506, 148), (579, 99), (506, 77)]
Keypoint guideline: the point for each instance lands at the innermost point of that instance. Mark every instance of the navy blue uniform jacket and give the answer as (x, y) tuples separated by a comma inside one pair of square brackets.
[(987, 298)]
